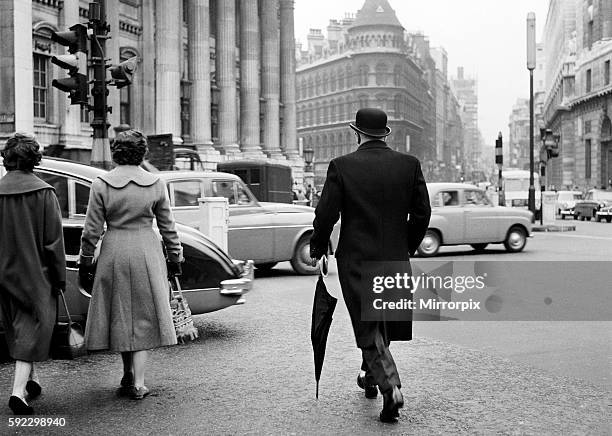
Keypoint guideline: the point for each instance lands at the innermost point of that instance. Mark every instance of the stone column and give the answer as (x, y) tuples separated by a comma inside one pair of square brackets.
[(16, 68), (249, 79), (270, 86), (226, 80), (147, 65), (287, 74), (199, 74), (168, 74)]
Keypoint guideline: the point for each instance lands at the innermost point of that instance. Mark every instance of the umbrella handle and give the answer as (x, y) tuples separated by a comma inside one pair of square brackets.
[(324, 266)]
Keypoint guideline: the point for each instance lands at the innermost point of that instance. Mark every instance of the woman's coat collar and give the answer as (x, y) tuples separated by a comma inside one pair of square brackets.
[(124, 174)]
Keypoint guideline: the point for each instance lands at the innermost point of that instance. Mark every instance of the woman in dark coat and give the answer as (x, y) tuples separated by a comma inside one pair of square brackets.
[(129, 310), (32, 264)]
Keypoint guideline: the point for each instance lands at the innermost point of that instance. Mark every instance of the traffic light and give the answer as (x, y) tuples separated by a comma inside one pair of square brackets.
[(74, 63), (499, 157), (123, 72)]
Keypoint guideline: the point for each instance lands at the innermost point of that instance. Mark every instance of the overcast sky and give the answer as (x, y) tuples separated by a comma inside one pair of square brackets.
[(486, 37)]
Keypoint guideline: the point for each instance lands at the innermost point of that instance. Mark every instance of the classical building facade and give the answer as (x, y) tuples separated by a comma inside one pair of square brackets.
[(516, 148), (367, 60), (578, 103), (218, 75)]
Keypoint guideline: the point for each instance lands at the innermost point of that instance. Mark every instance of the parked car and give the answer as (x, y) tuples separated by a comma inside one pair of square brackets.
[(594, 200), (267, 233), (605, 213), (463, 214), (566, 200), (210, 279)]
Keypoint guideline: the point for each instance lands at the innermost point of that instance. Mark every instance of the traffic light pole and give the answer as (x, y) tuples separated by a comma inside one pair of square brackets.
[(531, 198), (100, 149)]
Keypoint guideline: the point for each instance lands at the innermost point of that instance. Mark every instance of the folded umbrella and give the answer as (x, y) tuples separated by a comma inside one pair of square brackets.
[(322, 314)]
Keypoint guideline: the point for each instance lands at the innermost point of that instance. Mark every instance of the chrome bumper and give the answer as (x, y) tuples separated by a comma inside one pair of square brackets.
[(237, 287)]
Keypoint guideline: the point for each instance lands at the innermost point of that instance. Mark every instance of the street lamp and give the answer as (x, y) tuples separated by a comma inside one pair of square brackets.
[(308, 158), (531, 64)]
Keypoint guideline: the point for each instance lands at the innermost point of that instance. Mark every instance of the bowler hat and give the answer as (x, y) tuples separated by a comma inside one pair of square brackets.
[(371, 122)]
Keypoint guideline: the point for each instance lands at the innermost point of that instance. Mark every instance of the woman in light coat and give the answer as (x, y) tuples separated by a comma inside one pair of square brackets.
[(32, 265), (129, 310)]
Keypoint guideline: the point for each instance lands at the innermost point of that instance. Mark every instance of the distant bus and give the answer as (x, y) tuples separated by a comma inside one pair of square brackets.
[(515, 185)]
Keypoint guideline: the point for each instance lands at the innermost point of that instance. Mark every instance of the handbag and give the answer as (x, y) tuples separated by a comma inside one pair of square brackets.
[(67, 341), (181, 314)]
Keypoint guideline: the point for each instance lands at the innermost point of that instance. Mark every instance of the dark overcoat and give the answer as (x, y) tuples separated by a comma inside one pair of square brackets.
[(32, 263), (384, 205), (130, 304)]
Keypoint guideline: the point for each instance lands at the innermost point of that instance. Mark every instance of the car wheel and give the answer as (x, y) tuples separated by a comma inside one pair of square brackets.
[(265, 266), (430, 244), (609, 219), (515, 240), (588, 218), (300, 262), (581, 218), (600, 219), (479, 247)]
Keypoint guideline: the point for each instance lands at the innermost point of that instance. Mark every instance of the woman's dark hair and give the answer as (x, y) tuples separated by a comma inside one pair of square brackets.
[(21, 152), (129, 148)]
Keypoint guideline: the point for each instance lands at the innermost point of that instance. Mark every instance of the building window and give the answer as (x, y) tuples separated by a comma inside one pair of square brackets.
[(41, 86), (125, 98), (606, 72), (363, 75), (588, 80), (587, 159), (381, 74)]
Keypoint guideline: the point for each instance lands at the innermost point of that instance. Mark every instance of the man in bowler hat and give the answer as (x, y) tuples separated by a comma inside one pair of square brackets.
[(382, 197)]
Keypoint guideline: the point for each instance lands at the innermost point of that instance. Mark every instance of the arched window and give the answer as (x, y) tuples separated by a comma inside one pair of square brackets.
[(332, 81), (317, 84), (397, 106), (325, 113), (325, 83), (381, 74), (340, 79), (310, 87), (349, 76)]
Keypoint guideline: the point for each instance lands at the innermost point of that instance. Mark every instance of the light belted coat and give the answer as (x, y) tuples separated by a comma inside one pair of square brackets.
[(129, 308)]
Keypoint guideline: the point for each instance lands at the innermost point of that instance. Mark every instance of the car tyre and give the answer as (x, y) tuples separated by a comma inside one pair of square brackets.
[(479, 247), (609, 219), (430, 244), (300, 262), (516, 239)]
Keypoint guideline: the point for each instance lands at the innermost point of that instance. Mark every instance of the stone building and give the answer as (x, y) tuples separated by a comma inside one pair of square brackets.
[(367, 60), (578, 44), (219, 75), (516, 148), (466, 90)]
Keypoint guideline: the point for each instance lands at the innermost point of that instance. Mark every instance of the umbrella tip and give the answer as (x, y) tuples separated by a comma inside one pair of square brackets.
[(317, 389)]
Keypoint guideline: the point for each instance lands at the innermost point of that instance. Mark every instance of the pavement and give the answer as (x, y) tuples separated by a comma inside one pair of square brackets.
[(251, 372)]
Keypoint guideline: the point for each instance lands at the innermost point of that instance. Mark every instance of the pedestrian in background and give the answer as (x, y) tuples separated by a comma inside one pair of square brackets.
[(129, 310), (32, 265), (375, 189)]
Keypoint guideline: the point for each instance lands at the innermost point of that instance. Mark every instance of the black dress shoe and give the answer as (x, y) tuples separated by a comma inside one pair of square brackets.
[(392, 402), (33, 389), (19, 407), (127, 384), (371, 391)]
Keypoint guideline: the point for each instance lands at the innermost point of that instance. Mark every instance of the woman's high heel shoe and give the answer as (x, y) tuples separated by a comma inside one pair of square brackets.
[(33, 389), (20, 407)]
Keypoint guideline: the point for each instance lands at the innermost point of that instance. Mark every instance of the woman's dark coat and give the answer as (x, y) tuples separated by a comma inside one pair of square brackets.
[(382, 197), (32, 263)]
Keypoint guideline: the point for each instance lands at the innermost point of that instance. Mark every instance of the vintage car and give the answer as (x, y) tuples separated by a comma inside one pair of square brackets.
[(463, 214), (566, 200), (605, 213), (594, 200), (210, 279), (265, 232)]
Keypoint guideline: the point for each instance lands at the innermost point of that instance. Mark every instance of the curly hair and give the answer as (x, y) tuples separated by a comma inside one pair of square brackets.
[(129, 148), (21, 152)]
